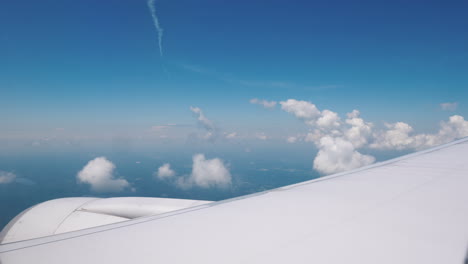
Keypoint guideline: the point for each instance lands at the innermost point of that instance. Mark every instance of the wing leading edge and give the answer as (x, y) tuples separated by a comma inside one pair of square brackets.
[(412, 209)]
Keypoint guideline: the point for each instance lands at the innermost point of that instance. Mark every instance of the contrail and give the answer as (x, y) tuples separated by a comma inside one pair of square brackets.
[(152, 9)]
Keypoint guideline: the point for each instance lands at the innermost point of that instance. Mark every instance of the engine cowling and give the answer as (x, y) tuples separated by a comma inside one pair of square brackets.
[(71, 214)]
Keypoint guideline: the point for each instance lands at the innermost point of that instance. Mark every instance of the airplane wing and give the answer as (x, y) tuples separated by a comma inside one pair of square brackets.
[(412, 209)]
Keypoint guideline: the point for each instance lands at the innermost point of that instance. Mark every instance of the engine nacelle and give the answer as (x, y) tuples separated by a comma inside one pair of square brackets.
[(71, 214)]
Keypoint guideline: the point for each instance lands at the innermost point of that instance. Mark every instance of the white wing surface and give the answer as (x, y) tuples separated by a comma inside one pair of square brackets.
[(408, 210)]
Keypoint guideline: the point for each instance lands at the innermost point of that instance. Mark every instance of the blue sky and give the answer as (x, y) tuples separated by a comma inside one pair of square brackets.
[(93, 68)]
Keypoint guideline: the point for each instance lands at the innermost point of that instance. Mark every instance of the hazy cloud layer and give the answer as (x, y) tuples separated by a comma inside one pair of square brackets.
[(159, 128), (202, 120), (449, 106), (338, 141), (6, 177), (264, 103), (99, 174), (165, 172), (212, 133), (230, 135), (261, 136)]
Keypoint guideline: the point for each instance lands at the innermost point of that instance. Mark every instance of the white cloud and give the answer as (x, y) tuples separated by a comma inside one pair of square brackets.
[(311, 115), (264, 103), (337, 155), (6, 177), (359, 132), (292, 139), (99, 173), (328, 120), (456, 127), (396, 137), (165, 172), (301, 109), (449, 106), (206, 173), (354, 114), (400, 135), (314, 136), (339, 141)]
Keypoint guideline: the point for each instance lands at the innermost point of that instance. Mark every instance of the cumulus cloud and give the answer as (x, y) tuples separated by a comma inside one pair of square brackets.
[(325, 120), (339, 141), (313, 136), (337, 154), (292, 139), (328, 120), (6, 177), (99, 174), (396, 137), (359, 131), (301, 109), (336, 140), (264, 103), (449, 106), (400, 135), (456, 127), (206, 173), (165, 172)]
